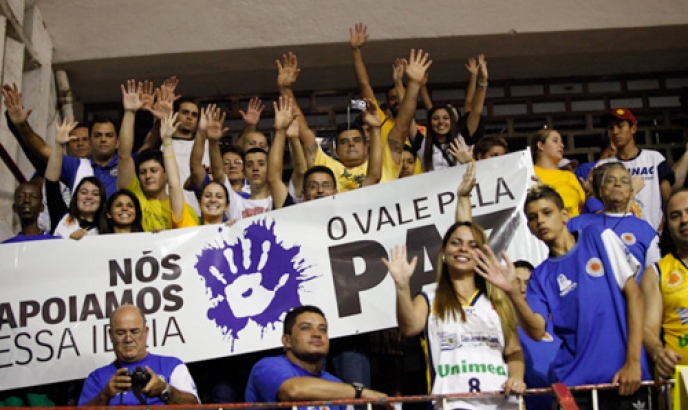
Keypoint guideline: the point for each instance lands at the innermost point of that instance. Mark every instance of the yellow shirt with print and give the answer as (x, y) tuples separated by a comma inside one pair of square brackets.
[(156, 214), (352, 178), (674, 287)]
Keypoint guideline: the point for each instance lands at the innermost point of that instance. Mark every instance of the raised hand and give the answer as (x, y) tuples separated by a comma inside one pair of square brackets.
[(459, 150), (359, 35), (468, 181), (252, 115), (399, 266), (147, 95), (472, 66), (131, 95), (293, 130), (398, 68), (164, 99), (370, 115), (482, 65), (503, 276), (418, 65), (62, 131), (283, 112), (168, 126), (203, 119), (13, 103), (287, 70), (216, 122), (170, 85)]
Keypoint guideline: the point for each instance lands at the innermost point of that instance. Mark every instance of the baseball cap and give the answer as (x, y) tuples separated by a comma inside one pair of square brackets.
[(619, 114), (565, 161)]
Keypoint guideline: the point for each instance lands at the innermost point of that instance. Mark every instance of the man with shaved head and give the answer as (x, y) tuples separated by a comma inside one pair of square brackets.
[(137, 377)]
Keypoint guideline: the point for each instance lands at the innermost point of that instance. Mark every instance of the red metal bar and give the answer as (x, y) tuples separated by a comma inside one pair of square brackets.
[(564, 397)]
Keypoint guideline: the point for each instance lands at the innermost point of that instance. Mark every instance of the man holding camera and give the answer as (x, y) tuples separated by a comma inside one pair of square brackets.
[(137, 377)]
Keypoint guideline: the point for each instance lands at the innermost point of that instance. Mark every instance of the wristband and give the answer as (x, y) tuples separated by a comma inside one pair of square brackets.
[(483, 84)]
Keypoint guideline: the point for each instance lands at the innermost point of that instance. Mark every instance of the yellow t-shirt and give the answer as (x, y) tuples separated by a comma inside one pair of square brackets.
[(186, 220), (566, 184), (674, 287), (352, 178), (156, 214), (387, 125)]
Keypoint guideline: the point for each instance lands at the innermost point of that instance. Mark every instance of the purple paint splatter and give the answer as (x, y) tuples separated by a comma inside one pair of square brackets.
[(255, 278)]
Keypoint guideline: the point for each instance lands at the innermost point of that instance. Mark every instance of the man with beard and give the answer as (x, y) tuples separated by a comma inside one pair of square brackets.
[(665, 289), (299, 374)]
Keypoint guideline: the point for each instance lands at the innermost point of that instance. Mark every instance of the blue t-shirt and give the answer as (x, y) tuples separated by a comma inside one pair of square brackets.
[(538, 358), (635, 233), (582, 290), (106, 174), (163, 366), (268, 375), (27, 238)]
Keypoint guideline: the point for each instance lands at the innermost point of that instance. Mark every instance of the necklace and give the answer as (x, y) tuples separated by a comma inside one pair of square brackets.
[(621, 218)]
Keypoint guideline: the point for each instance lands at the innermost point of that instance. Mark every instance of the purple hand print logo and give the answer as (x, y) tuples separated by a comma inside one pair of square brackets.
[(256, 278)]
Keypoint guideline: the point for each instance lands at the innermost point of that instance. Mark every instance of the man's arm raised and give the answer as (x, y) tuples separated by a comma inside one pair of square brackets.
[(472, 68), (416, 68), (287, 73), (283, 119), (359, 36), (168, 127), (160, 103), (478, 103), (198, 172), (131, 100), (251, 119), (371, 116), (32, 144)]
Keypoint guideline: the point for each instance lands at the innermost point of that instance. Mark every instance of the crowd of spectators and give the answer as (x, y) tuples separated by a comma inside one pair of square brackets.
[(601, 220)]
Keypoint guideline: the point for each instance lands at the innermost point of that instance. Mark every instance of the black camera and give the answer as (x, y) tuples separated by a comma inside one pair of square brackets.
[(139, 378)]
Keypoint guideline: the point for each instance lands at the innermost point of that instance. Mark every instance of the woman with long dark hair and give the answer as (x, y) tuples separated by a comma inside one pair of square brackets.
[(88, 198), (469, 325)]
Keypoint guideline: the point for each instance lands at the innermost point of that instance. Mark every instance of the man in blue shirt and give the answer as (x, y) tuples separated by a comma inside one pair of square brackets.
[(298, 375), (587, 289), (157, 380)]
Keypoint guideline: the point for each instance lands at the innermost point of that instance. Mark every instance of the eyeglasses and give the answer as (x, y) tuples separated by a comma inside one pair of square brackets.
[(313, 186), (235, 162)]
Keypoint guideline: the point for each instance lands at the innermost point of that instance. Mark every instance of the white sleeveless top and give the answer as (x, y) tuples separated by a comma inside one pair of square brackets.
[(468, 357)]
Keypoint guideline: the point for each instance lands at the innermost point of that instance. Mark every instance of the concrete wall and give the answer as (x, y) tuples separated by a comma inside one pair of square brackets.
[(26, 55)]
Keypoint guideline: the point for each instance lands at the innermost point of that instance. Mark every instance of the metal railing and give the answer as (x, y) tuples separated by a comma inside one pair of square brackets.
[(389, 402)]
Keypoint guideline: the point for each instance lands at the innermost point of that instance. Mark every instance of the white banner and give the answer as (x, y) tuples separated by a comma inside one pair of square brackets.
[(214, 291)]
